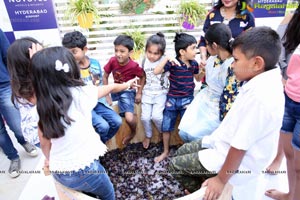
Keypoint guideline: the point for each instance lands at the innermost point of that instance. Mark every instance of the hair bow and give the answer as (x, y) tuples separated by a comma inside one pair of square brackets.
[(59, 66)]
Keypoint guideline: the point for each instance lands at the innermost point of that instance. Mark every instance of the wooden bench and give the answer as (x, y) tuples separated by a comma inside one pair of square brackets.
[(116, 141)]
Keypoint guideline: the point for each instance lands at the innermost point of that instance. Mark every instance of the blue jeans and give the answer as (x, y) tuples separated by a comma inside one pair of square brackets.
[(173, 107), (125, 100), (291, 121), (105, 121), (92, 179), (13, 119)]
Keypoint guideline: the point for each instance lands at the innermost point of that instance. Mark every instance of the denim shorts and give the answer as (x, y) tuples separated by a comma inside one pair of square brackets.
[(291, 121), (125, 100), (173, 107)]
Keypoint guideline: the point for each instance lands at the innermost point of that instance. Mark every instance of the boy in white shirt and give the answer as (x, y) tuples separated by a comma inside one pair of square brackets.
[(241, 148)]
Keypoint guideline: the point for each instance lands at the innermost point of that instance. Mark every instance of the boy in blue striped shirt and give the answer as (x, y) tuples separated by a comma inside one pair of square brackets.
[(181, 92)]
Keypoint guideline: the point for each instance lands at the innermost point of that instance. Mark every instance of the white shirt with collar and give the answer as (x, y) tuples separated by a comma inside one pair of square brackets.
[(252, 124)]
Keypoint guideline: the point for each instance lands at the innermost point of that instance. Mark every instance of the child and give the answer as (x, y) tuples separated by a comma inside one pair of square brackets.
[(10, 114), (124, 68), (105, 120), (18, 60), (68, 139), (290, 40), (154, 91), (234, 148), (204, 109), (181, 91), (290, 130)]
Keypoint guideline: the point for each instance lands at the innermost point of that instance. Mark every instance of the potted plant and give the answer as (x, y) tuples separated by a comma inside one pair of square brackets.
[(135, 6), (192, 12), (85, 11), (139, 39)]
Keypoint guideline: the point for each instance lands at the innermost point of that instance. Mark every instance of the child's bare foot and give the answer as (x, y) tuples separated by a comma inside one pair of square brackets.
[(146, 142), (161, 157), (186, 192), (274, 167), (277, 195), (127, 139)]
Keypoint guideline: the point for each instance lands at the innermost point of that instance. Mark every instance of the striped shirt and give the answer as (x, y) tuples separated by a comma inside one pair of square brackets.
[(181, 78)]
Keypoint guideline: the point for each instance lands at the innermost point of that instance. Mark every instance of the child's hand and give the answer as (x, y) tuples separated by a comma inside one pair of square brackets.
[(108, 100), (46, 167), (173, 60), (202, 64), (34, 48), (214, 187), (138, 98), (133, 82)]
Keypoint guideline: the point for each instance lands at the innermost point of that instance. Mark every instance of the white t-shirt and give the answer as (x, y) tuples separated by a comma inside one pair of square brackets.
[(153, 82), (252, 124), (80, 145)]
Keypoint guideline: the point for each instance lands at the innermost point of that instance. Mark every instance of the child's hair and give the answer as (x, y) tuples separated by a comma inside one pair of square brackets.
[(292, 34), (182, 41), (18, 64), (125, 41), (159, 40), (260, 41), (54, 72), (221, 35), (74, 39)]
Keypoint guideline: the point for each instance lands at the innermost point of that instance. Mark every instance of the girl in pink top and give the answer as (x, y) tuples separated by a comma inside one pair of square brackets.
[(290, 130)]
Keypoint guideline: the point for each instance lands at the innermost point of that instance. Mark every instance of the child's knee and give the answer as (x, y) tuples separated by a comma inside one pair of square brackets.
[(157, 118), (103, 128), (145, 118), (118, 121), (130, 117)]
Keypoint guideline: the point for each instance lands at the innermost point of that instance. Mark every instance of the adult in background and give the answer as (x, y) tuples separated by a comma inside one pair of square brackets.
[(234, 13)]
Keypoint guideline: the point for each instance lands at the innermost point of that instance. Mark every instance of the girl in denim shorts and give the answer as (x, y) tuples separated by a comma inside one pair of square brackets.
[(290, 130)]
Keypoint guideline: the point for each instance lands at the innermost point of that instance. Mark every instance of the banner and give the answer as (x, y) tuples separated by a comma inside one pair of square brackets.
[(269, 8), (34, 18), (31, 14)]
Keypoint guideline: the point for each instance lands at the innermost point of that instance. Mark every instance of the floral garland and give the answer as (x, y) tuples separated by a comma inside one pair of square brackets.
[(218, 62)]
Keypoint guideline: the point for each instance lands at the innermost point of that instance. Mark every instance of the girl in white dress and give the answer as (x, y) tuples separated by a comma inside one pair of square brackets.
[(202, 115)]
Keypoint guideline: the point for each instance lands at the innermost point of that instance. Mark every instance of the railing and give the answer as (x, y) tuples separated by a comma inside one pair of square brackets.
[(162, 17)]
